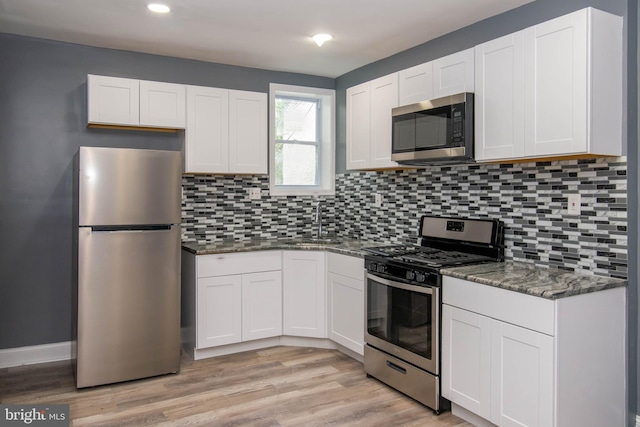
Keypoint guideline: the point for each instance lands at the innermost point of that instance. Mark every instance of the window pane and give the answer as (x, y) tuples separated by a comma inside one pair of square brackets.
[(296, 164), (296, 119)]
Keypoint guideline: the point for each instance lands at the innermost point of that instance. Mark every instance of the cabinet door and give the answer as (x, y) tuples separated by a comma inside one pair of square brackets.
[(466, 359), (359, 126), (499, 98), (556, 91), (522, 390), (384, 97), (113, 100), (416, 84), (453, 74), (162, 104), (219, 311), (304, 294), (248, 141), (261, 305), (346, 311), (207, 132)]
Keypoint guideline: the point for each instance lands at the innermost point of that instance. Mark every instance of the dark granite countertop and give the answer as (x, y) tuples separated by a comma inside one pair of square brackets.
[(529, 279), (345, 247)]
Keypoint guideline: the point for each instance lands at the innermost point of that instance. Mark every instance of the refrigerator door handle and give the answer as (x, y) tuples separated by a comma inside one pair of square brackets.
[(145, 228)]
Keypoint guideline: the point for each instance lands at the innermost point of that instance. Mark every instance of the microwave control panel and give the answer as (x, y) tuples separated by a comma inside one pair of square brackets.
[(457, 124)]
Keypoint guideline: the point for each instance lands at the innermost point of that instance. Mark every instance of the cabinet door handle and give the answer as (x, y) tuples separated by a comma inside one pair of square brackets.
[(396, 367)]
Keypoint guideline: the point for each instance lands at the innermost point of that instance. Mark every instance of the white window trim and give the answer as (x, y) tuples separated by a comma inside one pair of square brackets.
[(327, 162)]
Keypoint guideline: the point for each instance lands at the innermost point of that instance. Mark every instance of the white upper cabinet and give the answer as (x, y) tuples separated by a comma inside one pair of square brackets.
[(384, 97), (119, 101), (162, 104), (113, 100), (442, 77), (207, 132), (415, 84), (571, 73), (226, 131), (248, 141), (499, 98), (453, 74), (369, 123), (359, 126)]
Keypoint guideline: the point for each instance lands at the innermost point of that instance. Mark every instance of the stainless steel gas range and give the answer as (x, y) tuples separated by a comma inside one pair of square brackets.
[(403, 301)]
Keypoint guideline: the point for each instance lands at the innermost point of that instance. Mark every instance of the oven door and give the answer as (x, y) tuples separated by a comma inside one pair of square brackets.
[(403, 320)]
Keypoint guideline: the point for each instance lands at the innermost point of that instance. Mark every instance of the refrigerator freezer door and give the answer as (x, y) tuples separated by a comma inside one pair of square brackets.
[(128, 305), (122, 186)]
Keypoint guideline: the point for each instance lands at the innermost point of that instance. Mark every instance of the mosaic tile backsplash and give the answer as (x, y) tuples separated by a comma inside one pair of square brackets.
[(531, 199)]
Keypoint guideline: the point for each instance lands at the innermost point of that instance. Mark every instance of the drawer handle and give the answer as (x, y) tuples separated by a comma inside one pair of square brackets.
[(396, 367), (220, 257)]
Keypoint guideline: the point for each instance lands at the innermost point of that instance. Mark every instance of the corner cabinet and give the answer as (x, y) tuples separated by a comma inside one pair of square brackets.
[(518, 360), (551, 90), (226, 131), (369, 123), (304, 294), (345, 281), (115, 101)]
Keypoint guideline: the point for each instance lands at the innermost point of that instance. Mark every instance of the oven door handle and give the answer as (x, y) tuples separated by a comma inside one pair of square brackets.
[(394, 284)]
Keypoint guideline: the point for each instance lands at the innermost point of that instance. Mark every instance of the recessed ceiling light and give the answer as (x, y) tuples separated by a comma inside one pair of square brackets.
[(321, 38), (158, 8)]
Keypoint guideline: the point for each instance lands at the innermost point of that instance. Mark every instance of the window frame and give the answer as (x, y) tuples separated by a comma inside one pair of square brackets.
[(325, 130)]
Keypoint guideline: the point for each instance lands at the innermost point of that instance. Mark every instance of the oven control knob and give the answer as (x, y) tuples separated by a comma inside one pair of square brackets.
[(381, 268), (410, 275), (420, 277)]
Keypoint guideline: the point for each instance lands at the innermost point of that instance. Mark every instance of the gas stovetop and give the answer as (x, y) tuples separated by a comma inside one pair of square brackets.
[(425, 256), (444, 242)]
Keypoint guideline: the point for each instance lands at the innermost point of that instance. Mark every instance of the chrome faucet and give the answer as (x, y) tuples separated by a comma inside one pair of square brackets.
[(318, 219)]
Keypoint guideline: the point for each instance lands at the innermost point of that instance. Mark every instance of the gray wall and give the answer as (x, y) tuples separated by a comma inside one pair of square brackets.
[(43, 122)]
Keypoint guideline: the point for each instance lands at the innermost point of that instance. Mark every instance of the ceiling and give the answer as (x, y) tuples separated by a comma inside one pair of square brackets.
[(267, 34)]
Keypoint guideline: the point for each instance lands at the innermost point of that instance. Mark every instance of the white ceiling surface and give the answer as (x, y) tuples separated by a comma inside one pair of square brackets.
[(267, 34)]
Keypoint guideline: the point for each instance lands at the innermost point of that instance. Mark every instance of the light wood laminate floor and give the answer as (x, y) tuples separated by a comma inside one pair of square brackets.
[(280, 386)]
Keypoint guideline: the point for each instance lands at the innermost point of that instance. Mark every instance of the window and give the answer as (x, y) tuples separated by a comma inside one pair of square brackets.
[(302, 135)]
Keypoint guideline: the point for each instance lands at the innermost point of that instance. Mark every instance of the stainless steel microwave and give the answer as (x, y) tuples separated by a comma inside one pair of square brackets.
[(438, 131)]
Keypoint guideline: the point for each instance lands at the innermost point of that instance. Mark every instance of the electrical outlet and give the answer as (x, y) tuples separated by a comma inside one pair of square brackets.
[(573, 204), (254, 193), (377, 200)]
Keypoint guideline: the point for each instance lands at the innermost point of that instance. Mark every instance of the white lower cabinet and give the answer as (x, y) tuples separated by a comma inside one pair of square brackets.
[(345, 280), (502, 372), (237, 298), (219, 311), (238, 301), (304, 294), (518, 360), (521, 376), (261, 305)]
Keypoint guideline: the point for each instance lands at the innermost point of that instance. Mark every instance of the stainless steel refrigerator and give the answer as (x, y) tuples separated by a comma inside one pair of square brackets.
[(128, 264)]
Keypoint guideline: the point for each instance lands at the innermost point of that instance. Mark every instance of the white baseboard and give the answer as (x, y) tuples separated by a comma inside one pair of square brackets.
[(35, 354)]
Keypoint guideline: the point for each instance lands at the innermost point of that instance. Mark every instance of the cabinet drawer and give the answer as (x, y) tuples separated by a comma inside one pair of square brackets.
[(238, 263), (349, 266), (519, 309)]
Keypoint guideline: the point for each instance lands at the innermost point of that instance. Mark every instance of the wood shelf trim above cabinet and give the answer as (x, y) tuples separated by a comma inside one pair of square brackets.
[(546, 159), (138, 128)]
